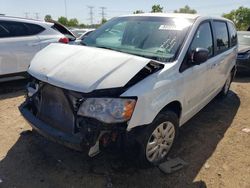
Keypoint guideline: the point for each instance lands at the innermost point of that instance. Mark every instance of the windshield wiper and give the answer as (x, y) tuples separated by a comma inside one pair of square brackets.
[(104, 47), (108, 48)]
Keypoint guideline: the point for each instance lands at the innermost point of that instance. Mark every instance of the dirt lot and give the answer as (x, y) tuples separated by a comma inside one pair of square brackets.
[(213, 143)]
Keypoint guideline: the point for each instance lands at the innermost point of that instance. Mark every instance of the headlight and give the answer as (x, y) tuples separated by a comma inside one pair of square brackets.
[(108, 110)]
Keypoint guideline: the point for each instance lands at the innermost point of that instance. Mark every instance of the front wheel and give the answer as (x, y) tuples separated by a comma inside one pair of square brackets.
[(157, 139)]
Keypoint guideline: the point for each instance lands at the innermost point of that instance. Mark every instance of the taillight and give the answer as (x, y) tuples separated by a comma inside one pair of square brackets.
[(64, 40)]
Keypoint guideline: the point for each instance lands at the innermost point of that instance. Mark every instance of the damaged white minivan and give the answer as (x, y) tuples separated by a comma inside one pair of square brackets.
[(135, 80)]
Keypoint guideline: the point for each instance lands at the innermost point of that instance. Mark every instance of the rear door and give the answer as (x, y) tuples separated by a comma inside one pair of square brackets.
[(223, 54), (18, 45)]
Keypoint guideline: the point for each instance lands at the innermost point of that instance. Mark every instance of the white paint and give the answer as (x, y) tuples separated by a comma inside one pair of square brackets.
[(84, 69), (17, 52)]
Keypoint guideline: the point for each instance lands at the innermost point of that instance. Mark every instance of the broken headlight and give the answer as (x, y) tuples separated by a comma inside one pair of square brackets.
[(108, 110)]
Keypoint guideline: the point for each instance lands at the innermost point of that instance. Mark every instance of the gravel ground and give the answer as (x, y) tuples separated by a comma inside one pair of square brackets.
[(213, 143)]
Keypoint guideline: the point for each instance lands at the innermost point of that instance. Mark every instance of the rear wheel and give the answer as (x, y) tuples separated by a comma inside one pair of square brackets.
[(157, 139)]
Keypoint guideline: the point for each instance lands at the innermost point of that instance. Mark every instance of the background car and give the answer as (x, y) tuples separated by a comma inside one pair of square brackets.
[(21, 39), (243, 58), (80, 35)]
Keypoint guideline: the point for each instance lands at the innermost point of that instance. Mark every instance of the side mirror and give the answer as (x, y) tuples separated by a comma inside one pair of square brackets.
[(200, 55)]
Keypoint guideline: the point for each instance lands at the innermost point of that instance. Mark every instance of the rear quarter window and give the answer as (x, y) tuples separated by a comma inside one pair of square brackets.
[(221, 34), (34, 29)]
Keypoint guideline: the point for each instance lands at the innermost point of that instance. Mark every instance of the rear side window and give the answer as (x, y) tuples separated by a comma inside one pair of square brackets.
[(15, 29), (203, 39), (232, 35), (4, 32), (18, 29), (222, 41), (34, 29)]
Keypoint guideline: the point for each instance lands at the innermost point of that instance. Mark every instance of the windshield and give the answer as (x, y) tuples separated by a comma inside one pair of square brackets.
[(244, 38), (158, 38)]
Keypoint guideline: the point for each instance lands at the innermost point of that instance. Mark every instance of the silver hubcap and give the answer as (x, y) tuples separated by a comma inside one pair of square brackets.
[(227, 85), (160, 142)]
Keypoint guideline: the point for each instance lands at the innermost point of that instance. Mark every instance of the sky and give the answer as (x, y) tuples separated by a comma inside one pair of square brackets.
[(79, 8)]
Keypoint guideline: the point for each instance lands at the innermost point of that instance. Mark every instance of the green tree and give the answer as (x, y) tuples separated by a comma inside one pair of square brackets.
[(73, 22), (48, 18), (138, 12), (157, 8), (104, 20), (63, 20), (82, 25), (240, 17), (186, 10)]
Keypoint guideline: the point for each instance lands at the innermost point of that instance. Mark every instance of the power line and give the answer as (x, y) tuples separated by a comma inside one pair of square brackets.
[(65, 8), (37, 15), (103, 14), (26, 14), (91, 18)]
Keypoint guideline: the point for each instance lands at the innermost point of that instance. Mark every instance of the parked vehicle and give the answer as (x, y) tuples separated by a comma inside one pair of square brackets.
[(136, 81), (81, 34), (243, 58), (21, 39)]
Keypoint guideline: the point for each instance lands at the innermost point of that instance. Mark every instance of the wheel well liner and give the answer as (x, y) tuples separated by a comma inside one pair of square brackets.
[(174, 106)]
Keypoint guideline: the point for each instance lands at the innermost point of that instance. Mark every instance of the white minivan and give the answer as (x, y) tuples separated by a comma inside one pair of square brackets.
[(136, 81)]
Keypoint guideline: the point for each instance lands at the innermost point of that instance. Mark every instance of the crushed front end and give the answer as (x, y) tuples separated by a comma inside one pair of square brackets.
[(84, 122)]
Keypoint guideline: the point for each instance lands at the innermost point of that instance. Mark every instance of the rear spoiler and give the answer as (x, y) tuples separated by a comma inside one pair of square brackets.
[(62, 29)]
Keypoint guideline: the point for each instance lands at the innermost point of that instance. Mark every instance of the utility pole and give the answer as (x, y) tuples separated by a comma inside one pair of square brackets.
[(26, 14), (103, 14), (66, 10), (91, 18), (37, 15)]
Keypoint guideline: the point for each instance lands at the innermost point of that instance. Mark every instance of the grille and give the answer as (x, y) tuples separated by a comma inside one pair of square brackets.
[(55, 110)]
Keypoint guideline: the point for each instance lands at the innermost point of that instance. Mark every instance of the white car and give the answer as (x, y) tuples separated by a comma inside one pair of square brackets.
[(137, 80), (21, 39), (80, 35)]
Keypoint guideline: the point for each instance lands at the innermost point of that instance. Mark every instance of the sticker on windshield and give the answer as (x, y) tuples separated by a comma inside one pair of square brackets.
[(168, 27)]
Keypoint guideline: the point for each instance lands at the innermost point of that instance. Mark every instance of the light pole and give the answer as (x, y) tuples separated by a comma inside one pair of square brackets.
[(65, 6)]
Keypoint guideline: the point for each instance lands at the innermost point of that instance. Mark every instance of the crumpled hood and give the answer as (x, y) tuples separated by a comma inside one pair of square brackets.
[(84, 69), (243, 48)]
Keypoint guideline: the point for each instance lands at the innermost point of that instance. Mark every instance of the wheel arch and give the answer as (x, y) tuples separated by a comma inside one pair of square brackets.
[(174, 106), (233, 71)]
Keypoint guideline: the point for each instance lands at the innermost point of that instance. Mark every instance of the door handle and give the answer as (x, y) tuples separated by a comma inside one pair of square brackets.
[(33, 44), (214, 65)]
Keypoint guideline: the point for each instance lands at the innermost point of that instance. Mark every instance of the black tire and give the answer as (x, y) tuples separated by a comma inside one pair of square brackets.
[(146, 132), (225, 90)]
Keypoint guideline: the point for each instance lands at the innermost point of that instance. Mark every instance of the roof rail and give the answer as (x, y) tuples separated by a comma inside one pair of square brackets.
[(20, 18)]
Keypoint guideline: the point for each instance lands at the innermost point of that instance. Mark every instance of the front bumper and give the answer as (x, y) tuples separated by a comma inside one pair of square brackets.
[(71, 141)]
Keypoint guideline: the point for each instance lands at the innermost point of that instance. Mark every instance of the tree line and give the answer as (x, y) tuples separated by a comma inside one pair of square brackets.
[(240, 17)]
